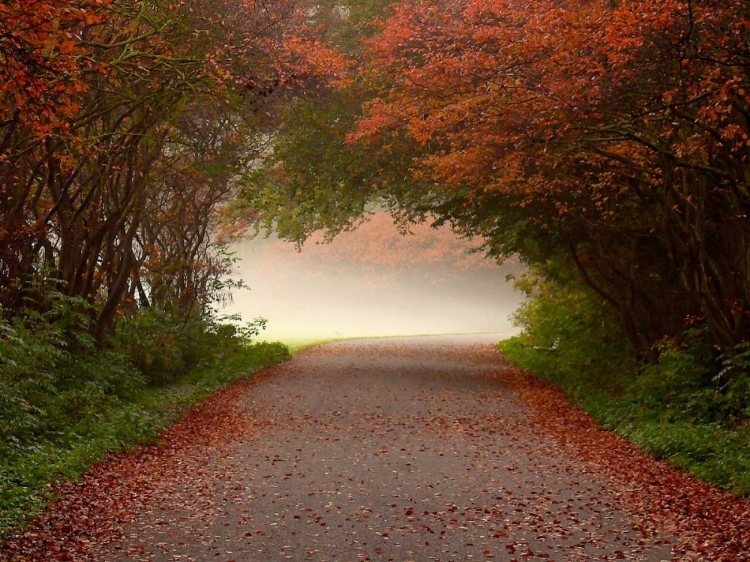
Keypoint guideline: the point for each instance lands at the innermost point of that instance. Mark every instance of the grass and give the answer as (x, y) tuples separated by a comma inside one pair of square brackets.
[(671, 409), (298, 345), (26, 475)]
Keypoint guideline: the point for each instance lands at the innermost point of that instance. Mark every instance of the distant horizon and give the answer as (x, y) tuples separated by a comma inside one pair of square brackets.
[(308, 295)]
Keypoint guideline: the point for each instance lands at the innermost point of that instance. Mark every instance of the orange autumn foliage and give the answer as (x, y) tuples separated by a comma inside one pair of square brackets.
[(122, 127), (616, 134)]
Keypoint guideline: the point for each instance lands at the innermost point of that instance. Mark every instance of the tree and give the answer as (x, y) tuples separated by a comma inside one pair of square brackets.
[(42, 70), (310, 179), (612, 137), (616, 135), (141, 113)]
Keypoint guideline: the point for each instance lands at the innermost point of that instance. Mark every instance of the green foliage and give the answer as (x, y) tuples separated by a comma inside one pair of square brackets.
[(683, 407), (571, 336), (156, 343), (164, 344), (314, 180), (65, 404)]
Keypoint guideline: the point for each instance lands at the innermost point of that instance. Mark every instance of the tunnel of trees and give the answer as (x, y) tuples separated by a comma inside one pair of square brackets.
[(602, 143), (609, 139)]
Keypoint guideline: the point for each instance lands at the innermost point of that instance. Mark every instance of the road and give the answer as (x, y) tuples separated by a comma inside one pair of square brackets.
[(386, 449)]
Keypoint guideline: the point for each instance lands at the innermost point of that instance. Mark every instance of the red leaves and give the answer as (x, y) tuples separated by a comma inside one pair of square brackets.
[(713, 525), (88, 516), (480, 84), (144, 110), (42, 65), (531, 517), (596, 122)]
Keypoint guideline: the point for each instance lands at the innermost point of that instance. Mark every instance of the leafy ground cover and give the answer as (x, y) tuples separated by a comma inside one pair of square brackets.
[(410, 428), (63, 407), (713, 525), (676, 408)]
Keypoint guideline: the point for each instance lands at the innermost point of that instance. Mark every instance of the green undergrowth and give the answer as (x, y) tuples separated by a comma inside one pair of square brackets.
[(689, 407), (297, 346), (65, 404)]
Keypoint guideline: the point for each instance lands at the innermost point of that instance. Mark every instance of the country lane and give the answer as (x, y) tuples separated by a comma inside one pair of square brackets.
[(396, 450), (388, 449)]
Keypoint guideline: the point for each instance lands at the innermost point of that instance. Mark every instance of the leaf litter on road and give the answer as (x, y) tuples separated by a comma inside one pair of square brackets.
[(420, 449)]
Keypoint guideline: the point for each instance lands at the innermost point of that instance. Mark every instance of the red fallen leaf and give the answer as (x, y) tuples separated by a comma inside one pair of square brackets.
[(711, 523), (619, 555), (655, 491), (488, 554)]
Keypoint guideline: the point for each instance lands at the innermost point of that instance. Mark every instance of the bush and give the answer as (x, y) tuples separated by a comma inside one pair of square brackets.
[(64, 403), (689, 407), (571, 338), (163, 346)]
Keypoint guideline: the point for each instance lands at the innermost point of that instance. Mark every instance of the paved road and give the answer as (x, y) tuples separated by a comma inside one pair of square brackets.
[(389, 449)]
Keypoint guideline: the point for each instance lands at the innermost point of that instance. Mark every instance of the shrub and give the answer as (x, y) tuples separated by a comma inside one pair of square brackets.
[(571, 338), (689, 407), (63, 406)]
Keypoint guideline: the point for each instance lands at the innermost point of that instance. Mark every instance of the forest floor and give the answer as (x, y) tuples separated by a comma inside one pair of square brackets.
[(412, 449)]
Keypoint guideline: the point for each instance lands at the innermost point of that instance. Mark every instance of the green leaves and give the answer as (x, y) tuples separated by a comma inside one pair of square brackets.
[(63, 406), (584, 135)]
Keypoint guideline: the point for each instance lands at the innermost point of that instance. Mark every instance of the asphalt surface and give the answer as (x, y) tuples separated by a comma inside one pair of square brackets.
[(387, 449)]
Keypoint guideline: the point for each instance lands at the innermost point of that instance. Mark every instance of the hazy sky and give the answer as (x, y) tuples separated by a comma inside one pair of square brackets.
[(372, 282)]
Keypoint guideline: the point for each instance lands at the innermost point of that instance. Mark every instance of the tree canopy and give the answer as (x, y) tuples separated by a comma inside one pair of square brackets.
[(123, 125), (611, 138), (606, 137)]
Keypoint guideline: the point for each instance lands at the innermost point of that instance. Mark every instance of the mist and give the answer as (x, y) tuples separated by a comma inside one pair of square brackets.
[(372, 282)]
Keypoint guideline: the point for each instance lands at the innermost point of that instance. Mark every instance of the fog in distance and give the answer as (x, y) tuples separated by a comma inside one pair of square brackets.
[(373, 282)]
